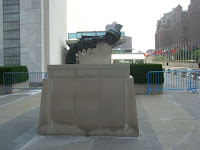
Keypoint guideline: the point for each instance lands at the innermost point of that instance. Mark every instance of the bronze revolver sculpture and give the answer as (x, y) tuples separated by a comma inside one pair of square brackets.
[(111, 37)]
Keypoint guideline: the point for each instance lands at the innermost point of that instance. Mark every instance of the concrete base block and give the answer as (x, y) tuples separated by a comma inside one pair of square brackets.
[(101, 104), (14, 88)]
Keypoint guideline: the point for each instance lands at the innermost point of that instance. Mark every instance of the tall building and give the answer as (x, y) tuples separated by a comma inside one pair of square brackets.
[(178, 27), (31, 33), (172, 29), (127, 44), (194, 22), (163, 32)]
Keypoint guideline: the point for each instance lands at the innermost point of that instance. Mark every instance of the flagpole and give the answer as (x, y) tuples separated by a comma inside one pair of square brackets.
[(195, 53), (188, 54), (198, 51), (178, 54), (198, 47), (169, 54), (183, 55), (191, 46), (170, 57), (180, 48), (164, 56), (174, 55)]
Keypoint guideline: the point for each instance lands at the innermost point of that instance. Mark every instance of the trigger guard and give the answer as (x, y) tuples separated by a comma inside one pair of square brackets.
[(85, 54)]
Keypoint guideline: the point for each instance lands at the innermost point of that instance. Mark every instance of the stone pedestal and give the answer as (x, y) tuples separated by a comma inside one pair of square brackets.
[(88, 100)]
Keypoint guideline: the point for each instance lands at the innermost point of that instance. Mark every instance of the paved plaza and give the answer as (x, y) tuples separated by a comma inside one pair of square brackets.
[(166, 121)]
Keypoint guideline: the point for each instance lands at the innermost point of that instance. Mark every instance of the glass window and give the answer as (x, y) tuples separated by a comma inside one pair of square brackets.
[(11, 9), (91, 34), (71, 35), (11, 26), (11, 35), (84, 34), (78, 35), (122, 34), (11, 43), (11, 32), (10, 2), (8, 52), (101, 33), (11, 17)]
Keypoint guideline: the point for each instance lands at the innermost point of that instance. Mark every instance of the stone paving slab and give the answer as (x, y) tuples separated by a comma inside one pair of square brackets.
[(18, 131), (146, 141), (92, 143), (165, 122), (188, 102), (10, 98), (171, 126), (15, 108)]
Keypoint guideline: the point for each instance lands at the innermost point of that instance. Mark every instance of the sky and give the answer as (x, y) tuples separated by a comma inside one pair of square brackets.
[(138, 17)]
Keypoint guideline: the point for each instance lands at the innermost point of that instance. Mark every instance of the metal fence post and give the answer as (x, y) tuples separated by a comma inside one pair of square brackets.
[(195, 83), (3, 84), (148, 92)]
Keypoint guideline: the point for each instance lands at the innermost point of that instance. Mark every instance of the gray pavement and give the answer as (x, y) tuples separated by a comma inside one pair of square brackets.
[(166, 121)]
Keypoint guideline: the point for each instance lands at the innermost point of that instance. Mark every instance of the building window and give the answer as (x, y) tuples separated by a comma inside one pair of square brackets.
[(11, 32)]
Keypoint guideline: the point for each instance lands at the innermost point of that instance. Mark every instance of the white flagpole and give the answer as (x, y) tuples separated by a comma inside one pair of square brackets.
[(188, 55), (195, 53), (191, 47), (178, 55), (183, 54)]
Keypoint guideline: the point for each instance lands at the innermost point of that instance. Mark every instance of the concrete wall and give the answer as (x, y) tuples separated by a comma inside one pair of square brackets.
[(88, 100), (45, 34), (1, 34), (30, 34), (42, 28), (57, 30)]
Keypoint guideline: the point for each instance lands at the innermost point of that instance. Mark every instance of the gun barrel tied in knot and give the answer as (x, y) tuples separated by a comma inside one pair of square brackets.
[(111, 37)]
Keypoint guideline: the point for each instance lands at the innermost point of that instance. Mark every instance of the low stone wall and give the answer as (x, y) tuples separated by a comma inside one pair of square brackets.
[(142, 89)]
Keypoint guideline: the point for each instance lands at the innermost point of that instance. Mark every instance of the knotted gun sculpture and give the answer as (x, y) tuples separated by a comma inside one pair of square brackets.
[(111, 37)]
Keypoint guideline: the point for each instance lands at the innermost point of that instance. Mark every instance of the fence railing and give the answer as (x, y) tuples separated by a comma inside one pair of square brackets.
[(22, 80), (173, 80)]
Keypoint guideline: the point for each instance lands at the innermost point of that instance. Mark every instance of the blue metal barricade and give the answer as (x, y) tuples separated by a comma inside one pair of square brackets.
[(22, 80), (172, 80)]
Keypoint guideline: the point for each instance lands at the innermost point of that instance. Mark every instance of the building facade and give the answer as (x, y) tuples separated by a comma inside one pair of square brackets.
[(31, 33)]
